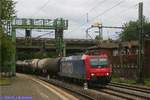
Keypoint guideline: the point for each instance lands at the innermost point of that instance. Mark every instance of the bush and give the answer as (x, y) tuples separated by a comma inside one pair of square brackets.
[(7, 48)]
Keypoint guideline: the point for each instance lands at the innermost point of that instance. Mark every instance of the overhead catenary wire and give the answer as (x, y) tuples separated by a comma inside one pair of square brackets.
[(105, 11), (133, 6), (129, 9), (22, 35), (45, 4), (98, 4), (90, 10), (41, 7), (126, 10)]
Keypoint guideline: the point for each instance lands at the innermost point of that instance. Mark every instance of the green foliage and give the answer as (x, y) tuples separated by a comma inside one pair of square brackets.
[(131, 30), (7, 49), (147, 82), (40, 55), (7, 9), (122, 80), (5, 81), (32, 55), (44, 54), (24, 55)]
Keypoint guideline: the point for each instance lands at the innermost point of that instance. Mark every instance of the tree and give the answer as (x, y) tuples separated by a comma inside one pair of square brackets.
[(7, 47), (131, 30), (7, 10)]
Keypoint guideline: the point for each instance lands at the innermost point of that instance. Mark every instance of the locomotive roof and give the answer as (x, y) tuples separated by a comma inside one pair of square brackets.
[(79, 57)]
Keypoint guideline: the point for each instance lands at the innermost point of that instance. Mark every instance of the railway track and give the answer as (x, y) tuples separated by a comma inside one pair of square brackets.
[(131, 87), (127, 91), (89, 94), (112, 91), (61, 84)]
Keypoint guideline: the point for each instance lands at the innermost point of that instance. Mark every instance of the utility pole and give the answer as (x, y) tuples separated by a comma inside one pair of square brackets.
[(140, 79), (0, 35), (100, 32), (13, 68), (64, 49), (0, 10)]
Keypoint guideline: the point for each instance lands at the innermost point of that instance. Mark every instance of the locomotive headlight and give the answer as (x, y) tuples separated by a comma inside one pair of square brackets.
[(92, 74), (107, 74)]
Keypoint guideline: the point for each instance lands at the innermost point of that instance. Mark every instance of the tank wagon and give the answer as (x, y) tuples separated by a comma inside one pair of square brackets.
[(89, 68), (46, 66), (24, 66)]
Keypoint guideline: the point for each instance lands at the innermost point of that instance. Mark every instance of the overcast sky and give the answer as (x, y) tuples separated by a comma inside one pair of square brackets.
[(76, 12)]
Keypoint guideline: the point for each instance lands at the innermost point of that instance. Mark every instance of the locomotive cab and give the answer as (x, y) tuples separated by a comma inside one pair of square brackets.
[(98, 70)]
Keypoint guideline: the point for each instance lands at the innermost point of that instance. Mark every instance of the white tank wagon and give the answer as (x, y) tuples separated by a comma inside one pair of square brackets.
[(49, 64), (34, 63), (46, 65), (23, 66), (19, 63)]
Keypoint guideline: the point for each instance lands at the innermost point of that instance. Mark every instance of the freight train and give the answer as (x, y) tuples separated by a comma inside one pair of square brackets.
[(86, 68)]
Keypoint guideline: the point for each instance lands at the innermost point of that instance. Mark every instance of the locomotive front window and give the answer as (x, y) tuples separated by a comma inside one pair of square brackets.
[(98, 62)]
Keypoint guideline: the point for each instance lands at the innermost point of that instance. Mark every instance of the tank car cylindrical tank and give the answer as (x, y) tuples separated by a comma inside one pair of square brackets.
[(19, 63), (23, 66), (25, 63), (34, 63), (50, 64)]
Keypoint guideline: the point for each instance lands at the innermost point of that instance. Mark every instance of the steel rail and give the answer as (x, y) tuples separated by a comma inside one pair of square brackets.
[(130, 85), (127, 91), (67, 88), (131, 88)]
